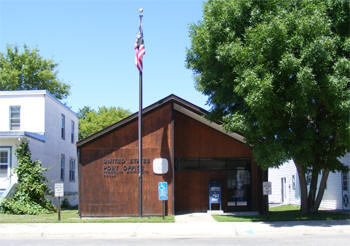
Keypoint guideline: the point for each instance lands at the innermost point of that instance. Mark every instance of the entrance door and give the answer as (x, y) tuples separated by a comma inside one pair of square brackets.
[(5, 158), (345, 190), (238, 182), (283, 190), (192, 177)]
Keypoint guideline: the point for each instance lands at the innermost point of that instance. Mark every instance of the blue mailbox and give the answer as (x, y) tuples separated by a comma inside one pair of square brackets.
[(214, 193)]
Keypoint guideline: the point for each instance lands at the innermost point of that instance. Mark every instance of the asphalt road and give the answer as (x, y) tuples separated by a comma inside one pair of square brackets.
[(316, 240)]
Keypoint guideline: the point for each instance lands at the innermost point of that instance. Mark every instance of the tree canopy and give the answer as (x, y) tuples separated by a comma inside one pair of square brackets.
[(27, 70), (279, 73), (91, 121)]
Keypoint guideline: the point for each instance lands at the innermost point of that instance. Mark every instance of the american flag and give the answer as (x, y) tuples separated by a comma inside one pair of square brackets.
[(140, 49)]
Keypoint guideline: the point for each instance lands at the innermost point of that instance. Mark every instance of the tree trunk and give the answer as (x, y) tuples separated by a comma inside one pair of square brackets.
[(303, 188), (321, 189), (313, 189)]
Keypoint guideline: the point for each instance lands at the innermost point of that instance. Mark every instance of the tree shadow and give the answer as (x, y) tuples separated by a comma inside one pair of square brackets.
[(295, 218)]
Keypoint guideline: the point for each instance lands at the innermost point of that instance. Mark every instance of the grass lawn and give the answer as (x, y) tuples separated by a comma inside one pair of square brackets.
[(71, 216), (284, 213)]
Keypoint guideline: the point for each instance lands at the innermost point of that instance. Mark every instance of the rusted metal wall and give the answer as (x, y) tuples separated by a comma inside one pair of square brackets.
[(108, 168), (196, 140)]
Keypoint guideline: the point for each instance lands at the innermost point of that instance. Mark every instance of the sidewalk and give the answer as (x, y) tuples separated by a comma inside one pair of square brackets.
[(195, 218), (174, 230)]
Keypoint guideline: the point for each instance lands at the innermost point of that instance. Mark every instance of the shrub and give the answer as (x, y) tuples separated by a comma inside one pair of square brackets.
[(29, 197)]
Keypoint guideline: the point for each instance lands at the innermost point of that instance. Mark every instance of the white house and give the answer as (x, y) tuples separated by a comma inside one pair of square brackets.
[(284, 184), (51, 129), (286, 189)]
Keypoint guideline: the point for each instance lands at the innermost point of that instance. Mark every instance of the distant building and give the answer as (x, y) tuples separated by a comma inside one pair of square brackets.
[(285, 184), (51, 129), (286, 189)]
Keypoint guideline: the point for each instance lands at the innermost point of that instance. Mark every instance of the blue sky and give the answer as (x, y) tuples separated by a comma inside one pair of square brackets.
[(93, 42)]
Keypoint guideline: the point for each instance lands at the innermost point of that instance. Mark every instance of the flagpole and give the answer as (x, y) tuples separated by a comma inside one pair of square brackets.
[(140, 132)]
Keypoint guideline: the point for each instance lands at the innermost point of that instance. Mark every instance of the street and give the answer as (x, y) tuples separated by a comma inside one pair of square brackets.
[(319, 240)]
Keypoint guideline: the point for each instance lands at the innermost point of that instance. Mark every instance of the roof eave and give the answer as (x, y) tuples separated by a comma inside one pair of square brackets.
[(183, 106)]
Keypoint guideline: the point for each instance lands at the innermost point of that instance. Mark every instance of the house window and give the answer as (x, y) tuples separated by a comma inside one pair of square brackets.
[(72, 170), (4, 162), (63, 126), (294, 183), (15, 117), (72, 132), (345, 181), (62, 167)]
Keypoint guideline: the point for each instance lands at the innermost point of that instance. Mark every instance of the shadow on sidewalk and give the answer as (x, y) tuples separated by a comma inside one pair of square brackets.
[(291, 218), (316, 223)]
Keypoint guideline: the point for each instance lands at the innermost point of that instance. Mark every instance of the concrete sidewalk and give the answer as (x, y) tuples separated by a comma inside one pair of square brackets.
[(195, 218), (174, 230)]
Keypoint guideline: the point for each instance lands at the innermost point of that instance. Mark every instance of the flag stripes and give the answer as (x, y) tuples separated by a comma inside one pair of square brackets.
[(140, 49)]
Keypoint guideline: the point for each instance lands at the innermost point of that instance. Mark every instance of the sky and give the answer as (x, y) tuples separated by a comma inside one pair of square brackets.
[(93, 42)]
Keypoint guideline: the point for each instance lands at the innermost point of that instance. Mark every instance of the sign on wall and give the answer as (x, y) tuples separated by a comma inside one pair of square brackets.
[(112, 167), (267, 188)]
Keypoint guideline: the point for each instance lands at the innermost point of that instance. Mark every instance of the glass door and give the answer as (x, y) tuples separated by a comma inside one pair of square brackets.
[(238, 186)]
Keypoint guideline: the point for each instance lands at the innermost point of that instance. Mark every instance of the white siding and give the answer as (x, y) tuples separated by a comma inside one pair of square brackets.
[(287, 170), (332, 198), (41, 114), (32, 112), (61, 146)]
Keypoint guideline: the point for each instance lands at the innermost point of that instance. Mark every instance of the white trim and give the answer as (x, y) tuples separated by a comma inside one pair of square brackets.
[(19, 134)]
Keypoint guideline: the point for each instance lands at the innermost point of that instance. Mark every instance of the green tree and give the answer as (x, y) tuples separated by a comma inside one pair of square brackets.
[(27, 70), (32, 187), (278, 72), (91, 121)]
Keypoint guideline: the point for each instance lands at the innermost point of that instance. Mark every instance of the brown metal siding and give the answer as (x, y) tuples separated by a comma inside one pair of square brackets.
[(118, 196), (196, 140), (192, 192), (168, 134)]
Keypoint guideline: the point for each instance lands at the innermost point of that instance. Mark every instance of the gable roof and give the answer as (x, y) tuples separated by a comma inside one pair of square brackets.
[(180, 105)]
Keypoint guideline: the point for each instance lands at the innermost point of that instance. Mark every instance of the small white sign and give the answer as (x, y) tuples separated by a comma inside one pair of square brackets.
[(160, 166), (267, 188), (59, 190)]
